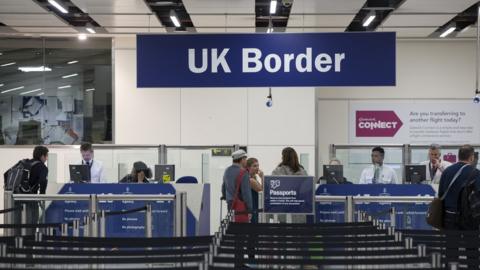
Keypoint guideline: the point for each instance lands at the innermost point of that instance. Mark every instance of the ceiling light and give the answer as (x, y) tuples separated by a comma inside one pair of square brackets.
[(64, 86), (1, 53), (72, 62), (1, 84), (447, 32), (174, 18), (58, 6), (89, 89), (90, 30), (82, 36), (465, 29), (40, 94), (13, 89), (70, 75), (34, 69), (31, 91), (273, 6), (8, 64), (369, 20)]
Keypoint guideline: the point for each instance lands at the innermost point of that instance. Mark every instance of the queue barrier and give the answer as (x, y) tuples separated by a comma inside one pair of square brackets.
[(94, 222)]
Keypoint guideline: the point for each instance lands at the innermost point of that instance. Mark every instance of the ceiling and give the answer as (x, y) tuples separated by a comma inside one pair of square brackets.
[(413, 19)]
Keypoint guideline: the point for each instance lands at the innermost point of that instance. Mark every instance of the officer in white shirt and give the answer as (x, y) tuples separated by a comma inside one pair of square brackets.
[(96, 168), (434, 165), (377, 173)]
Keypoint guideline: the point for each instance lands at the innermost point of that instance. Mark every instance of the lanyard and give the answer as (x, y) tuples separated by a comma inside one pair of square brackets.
[(432, 170)]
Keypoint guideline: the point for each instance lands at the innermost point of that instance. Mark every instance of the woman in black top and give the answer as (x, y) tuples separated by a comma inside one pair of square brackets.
[(139, 174)]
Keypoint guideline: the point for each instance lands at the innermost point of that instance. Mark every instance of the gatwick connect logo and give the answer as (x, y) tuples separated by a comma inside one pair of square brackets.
[(377, 123)]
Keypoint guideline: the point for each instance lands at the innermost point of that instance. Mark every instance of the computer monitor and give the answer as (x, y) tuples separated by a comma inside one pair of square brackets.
[(333, 174), (165, 173), (80, 173), (415, 174)]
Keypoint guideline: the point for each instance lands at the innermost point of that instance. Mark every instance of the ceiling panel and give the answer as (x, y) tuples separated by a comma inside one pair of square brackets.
[(410, 32), (320, 20), (433, 6), (222, 20), (326, 6), (112, 6), (220, 6), (127, 30), (471, 32), (417, 20), (126, 20), (46, 30), (314, 29), (17, 6), (31, 20)]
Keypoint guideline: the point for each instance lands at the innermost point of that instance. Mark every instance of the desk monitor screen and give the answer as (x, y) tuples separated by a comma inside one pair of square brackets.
[(165, 173), (415, 174), (333, 174), (79, 173)]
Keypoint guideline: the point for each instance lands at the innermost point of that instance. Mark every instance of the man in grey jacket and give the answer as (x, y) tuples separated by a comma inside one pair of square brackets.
[(230, 178)]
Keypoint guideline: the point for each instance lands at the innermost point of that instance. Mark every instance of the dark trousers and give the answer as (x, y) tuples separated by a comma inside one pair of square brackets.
[(32, 215)]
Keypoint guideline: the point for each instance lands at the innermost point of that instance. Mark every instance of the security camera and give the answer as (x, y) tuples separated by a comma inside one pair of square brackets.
[(269, 101), (287, 3), (476, 99)]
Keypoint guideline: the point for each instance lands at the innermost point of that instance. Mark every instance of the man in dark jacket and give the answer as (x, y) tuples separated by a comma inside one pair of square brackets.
[(464, 169), (38, 184)]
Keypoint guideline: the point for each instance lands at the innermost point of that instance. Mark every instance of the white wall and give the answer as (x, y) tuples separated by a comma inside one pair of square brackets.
[(434, 70), (212, 116)]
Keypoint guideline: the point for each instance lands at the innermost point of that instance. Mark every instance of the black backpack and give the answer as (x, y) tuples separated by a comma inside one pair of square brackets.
[(17, 178), (469, 203)]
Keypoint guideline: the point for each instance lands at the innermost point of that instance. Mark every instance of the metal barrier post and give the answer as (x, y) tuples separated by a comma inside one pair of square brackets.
[(453, 266), (408, 243), (102, 224), (86, 226), (349, 209), (8, 218), (148, 221), (162, 154), (64, 229), (180, 214), (3, 250), (23, 219), (262, 218), (92, 212), (76, 227), (436, 260), (422, 250), (393, 217)]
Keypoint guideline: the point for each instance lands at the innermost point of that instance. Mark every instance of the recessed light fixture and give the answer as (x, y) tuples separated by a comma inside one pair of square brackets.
[(1, 84), (72, 62), (40, 94), (447, 32), (82, 36), (31, 91), (70, 75), (371, 16), (174, 18), (273, 6), (58, 6), (13, 89), (8, 64), (89, 89), (64, 86), (90, 30), (34, 69)]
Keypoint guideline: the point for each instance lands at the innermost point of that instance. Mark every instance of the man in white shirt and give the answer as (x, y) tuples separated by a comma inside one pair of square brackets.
[(96, 168), (377, 173), (435, 165)]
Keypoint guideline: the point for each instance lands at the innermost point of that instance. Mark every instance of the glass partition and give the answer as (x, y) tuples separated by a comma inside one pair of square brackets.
[(356, 158)]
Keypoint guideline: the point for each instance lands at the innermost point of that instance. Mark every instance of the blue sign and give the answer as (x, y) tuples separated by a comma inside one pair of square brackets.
[(288, 194), (256, 60), (129, 225), (408, 215)]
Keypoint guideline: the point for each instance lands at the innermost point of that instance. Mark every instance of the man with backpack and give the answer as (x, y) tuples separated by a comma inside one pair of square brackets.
[(29, 176), (455, 179)]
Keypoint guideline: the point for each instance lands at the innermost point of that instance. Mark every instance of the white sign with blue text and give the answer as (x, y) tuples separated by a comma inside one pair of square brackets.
[(289, 194)]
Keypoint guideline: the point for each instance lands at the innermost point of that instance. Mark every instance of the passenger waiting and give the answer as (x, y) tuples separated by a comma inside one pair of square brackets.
[(435, 164), (290, 164), (256, 183), (378, 173), (140, 174)]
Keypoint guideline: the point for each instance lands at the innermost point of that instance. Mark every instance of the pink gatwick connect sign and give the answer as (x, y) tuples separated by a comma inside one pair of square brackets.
[(377, 123)]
